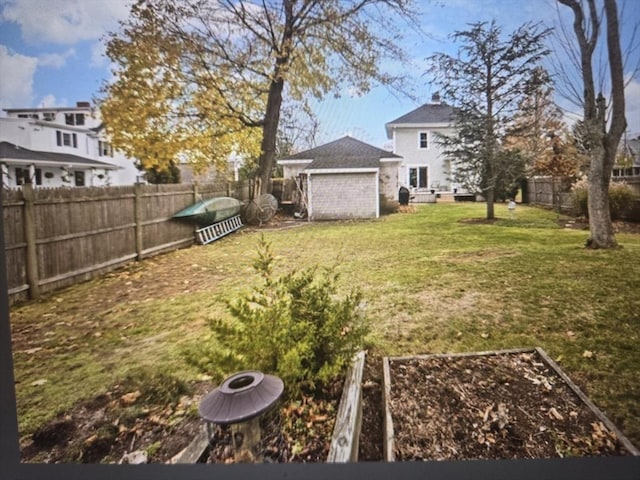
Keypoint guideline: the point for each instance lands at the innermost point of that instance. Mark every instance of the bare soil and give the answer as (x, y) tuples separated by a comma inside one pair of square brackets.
[(490, 407), (121, 424)]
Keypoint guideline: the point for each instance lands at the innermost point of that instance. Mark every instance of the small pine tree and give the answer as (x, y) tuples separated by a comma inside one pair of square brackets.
[(295, 326)]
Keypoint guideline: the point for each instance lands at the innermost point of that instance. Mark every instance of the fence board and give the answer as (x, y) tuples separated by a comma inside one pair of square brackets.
[(80, 233)]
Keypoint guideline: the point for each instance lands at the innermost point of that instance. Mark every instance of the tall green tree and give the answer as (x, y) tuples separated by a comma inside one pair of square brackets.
[(600, 136), (201, 78), (485, 82)]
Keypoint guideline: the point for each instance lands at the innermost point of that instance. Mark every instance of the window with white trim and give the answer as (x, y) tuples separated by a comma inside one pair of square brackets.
[(105, 149), (64, 139), (74, 118), (418, 177), (423, 140)]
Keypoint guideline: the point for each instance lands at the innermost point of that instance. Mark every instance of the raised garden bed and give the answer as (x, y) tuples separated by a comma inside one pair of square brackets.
[(490, 405), (213, 444)]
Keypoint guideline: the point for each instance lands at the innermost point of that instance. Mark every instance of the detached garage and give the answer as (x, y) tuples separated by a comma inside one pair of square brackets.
[(343, 179)]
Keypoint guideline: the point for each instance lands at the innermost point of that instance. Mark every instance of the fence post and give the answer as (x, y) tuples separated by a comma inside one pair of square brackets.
[(137, 215), (30, 239)]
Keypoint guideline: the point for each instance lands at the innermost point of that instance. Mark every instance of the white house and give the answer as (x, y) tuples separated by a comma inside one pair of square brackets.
[(424, 169), (54, 147)]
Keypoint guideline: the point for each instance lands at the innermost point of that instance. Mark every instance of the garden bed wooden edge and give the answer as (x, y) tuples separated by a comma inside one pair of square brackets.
[(388, 445)]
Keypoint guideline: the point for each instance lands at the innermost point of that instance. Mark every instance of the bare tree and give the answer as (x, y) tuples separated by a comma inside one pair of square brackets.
[(600, 136)]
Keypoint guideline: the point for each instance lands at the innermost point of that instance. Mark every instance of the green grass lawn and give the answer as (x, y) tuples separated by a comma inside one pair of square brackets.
[(433, 282)]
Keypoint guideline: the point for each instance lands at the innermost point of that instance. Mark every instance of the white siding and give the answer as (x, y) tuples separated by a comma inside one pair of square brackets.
[(343, 196), (406, 144), (389, 180)]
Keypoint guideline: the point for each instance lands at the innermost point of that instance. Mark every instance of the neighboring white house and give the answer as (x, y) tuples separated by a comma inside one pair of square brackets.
[(424, 169), (54, 147), (343, 179)]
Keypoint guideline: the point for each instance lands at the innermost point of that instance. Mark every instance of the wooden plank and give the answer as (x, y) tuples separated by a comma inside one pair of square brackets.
[(464, 354), (89, 269), (30, 238), (346, 433), (388, 445), (194, 451)]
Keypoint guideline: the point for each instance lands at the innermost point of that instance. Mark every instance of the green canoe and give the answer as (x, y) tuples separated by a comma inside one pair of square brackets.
[(207, 212)]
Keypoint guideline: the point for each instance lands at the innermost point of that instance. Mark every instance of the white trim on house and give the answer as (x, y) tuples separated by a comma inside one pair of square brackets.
[(391, 160), (429, 126), (341, 170), (293, 162)]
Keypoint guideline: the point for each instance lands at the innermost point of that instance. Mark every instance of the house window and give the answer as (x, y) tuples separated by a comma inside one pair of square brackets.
[(418, 177), (79, 178), (66, 139), (22, 176), (105, 149), (423, 140), (74, 118), (28, 115), (49, 116)]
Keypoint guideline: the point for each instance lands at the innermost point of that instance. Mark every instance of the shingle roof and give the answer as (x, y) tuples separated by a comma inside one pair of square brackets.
[(346, 152), (427, 113), (9, 151)]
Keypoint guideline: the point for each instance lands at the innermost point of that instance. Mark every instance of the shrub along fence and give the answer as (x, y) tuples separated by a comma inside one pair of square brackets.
[(540, 191), (58, 237)]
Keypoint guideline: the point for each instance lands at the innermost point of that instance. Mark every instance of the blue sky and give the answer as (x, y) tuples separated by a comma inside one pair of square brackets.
[(51, 54)]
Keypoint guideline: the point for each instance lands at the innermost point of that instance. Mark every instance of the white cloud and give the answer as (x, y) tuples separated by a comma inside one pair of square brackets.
[(64, 21), (98, 57), (49, 101), (55, 60), (16, 87)]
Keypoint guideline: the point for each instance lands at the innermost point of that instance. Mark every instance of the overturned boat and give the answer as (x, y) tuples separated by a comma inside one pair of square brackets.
[(208, 212)]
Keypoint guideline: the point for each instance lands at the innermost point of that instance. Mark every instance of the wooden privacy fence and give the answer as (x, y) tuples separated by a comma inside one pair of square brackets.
[(542, 191), (62, 236)]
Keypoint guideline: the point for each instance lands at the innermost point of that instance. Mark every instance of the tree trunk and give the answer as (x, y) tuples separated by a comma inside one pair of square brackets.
[(267, 158), (490, 193), (601, 229), (604, 156)]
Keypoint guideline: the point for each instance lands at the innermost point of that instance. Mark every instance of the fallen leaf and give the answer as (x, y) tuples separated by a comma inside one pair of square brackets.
[(553, 413), (484, 335), (319, 419), (131, 397), (39, 383), (31, 351), (587, 354)]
